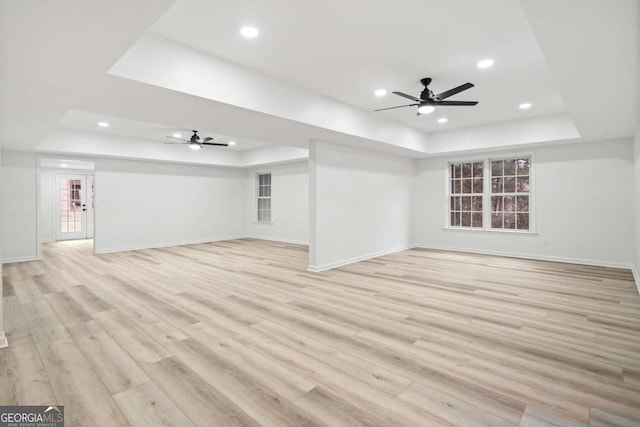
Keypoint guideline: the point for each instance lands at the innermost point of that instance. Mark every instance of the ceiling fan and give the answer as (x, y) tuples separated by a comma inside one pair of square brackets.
[(195, 142), (427, 101)]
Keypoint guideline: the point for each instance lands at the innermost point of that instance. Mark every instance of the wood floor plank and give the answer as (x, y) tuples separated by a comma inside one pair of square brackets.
[(24, 379), (77, 387), (114, 366), (147, 405), (600, 418), (201, 402)]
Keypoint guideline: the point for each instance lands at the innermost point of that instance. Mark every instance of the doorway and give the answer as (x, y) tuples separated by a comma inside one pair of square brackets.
[(74, 206)]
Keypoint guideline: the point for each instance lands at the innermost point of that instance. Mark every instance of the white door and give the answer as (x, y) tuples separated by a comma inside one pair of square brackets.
[(74, 207)]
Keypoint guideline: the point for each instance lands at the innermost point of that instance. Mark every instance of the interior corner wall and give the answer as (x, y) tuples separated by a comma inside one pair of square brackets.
[(3, 338), (149, 204), (584, 205), (289, 203), (636, 187), (19, 206), (47, 202), (362, 202)]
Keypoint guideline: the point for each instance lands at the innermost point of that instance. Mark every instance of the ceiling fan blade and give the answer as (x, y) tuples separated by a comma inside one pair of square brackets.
[(457, 103), (399, 106), (453, 91), (207, 139), (215, 143), (179, 139), (404, 95)]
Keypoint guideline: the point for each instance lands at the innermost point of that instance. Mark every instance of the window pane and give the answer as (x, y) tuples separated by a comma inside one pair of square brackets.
[(457, 170), (496, 220), (457, 186), (466, 219), (477, 169), (510, 221), (455, 219), (523, 204), (476, 219), (466, 185), (509, 204), (455, 203), (477, 185), (510, 167), (523, 184), (523, 166), (510, 184), (466, 170), (496, 204), (523, 221), (466, 203), (476, 203), (496, 185), (496, 168)]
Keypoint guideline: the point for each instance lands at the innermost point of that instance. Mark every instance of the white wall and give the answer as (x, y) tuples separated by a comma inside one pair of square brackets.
[(145, 204), (18, 210), (636, 187), (361, 204), (289, 204), (47, 202), (3, 338), (584, 207)]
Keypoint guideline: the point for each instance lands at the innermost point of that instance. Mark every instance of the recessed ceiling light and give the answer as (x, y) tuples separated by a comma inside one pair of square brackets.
[(426, 109), (103, 124), (524, 106), (380, 92), (64, 165), (232, 143), (442, 120), (485, 63), (177, 135), (249, 32)]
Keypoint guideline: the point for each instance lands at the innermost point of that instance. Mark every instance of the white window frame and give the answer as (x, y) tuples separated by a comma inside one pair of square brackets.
[(258, 197), (486, 193)]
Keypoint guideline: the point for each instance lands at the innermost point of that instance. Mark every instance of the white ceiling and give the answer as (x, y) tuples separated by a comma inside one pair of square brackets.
[(311, 73), (347, 49), (88, 122)]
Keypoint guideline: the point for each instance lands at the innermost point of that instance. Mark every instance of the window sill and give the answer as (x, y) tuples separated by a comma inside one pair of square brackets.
[(263, 222), (485, 230)]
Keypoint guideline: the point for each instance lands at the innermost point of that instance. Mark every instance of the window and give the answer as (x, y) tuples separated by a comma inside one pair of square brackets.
[(264, 196), (510, 194), (500, 202), (465, 196)]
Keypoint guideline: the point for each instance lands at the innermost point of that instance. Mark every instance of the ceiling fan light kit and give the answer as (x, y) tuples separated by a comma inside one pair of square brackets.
[(195, 142), (428, 101)]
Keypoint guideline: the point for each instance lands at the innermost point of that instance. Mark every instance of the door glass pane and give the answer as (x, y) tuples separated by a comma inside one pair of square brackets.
[(71, 206)]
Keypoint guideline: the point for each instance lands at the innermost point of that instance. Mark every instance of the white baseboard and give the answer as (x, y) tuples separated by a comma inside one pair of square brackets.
[(47, 241), (20, 259), (329, 266), (3, 341), (275, 239), (165, 244)]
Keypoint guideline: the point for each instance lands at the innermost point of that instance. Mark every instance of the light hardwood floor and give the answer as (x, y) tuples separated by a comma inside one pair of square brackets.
[(238, 333)]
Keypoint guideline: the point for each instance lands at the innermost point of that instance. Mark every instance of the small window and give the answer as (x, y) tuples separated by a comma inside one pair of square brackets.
[(264, 196)]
